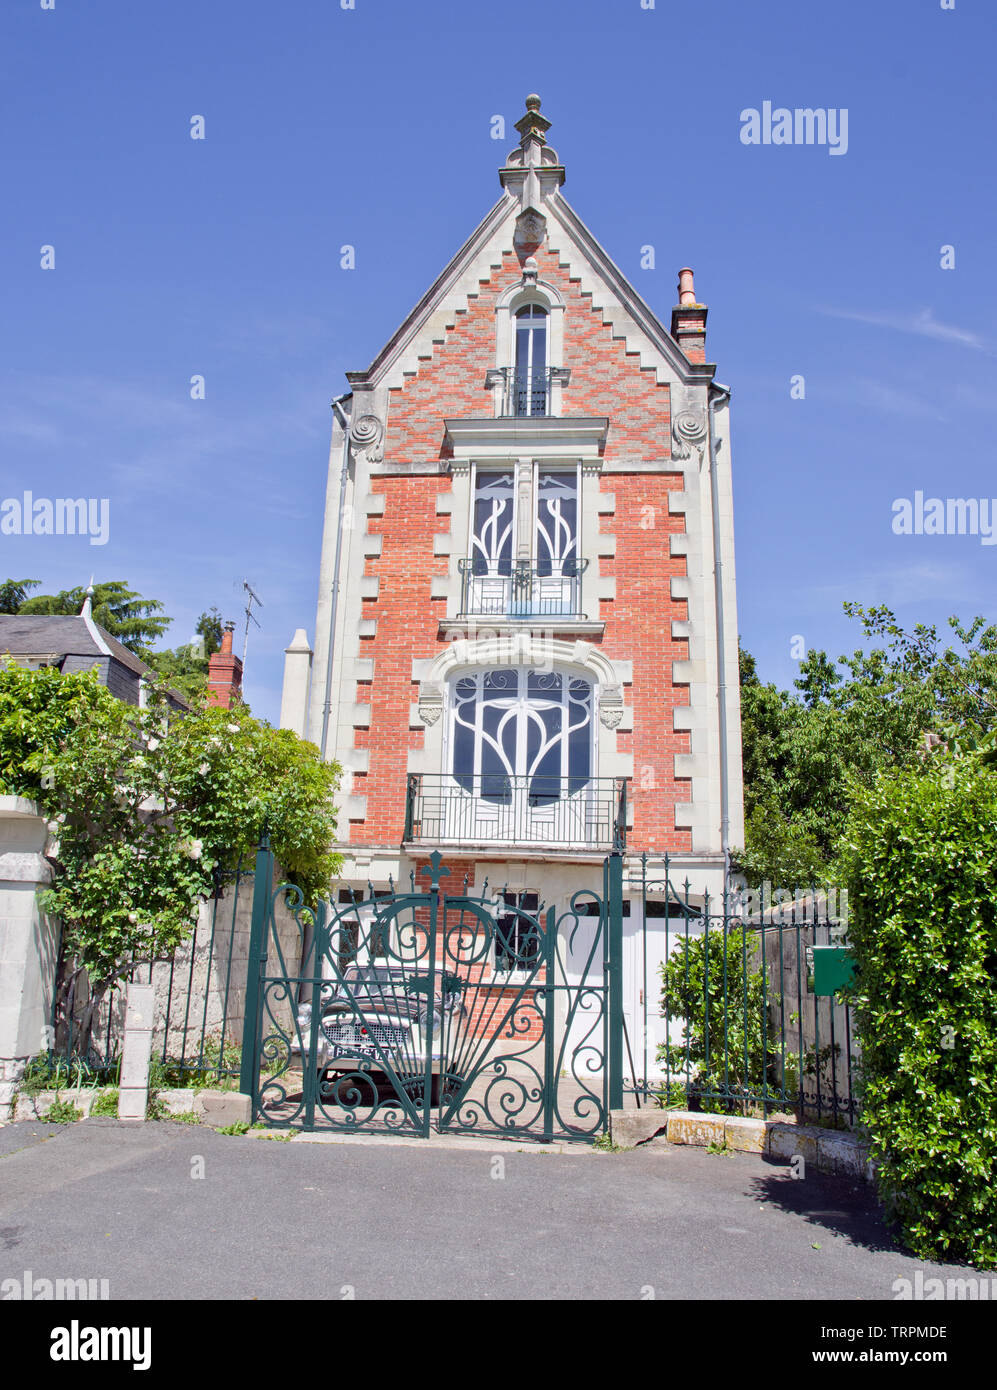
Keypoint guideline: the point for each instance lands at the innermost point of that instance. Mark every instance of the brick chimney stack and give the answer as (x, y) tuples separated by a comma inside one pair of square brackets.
[(689, 319), (225, 673)]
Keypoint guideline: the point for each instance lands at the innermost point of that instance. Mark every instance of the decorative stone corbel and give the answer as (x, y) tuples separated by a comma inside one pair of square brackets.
[(688, 433), (430, 702), (367, 438), (610, 705)]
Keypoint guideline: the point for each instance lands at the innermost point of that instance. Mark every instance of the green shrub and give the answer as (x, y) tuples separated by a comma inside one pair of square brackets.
[(61, 1112), (52, 1072), (921, 858), (106, 1103), (723, 1072)]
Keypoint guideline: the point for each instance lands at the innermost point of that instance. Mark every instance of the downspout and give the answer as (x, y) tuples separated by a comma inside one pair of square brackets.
[(720, 394), (344, 473)]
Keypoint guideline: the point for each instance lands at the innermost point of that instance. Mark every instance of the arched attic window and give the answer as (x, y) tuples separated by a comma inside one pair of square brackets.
[(530, 376)]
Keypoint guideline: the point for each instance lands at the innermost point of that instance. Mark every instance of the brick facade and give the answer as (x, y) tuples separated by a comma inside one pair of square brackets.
[(631, 405)]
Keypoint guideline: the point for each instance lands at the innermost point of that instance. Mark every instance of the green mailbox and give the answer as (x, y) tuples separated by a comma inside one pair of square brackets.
[(831, 968)]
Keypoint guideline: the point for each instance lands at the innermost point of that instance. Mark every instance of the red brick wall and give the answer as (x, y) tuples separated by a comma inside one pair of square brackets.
[(407, 627), (605, 380), (639, 629)]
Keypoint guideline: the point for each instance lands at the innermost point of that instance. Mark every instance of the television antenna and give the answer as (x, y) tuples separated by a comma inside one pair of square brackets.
[(250, 617)]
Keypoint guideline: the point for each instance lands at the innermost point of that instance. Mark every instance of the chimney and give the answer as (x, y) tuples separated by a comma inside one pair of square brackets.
[(297, 677), (689, 319), (225, 673)]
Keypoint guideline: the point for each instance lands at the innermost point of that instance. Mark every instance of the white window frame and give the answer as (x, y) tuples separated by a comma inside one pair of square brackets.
[(543, 465), (513, 977), (515, 297)]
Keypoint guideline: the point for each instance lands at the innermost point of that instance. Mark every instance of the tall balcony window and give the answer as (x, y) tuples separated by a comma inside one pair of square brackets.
[(530, 385), (524, 566)]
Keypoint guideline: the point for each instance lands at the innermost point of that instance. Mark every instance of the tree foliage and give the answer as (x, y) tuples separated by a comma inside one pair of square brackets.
[(920, 857), (185, 668), (136, 622), (845, 722), (150, 808), (14, 593)]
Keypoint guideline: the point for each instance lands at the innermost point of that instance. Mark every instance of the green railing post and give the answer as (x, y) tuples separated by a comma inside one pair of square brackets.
[(551, 1078), (614, 969), (262, 888)]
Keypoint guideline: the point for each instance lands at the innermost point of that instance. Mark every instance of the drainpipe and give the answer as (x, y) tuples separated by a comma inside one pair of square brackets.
[(344, 472), (718, 395)]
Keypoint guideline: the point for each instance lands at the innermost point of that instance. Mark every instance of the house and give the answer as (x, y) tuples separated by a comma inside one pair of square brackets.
[(74, 643), (526, 636)]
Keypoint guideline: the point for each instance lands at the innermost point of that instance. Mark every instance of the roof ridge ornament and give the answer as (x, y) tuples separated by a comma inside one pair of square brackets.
[(532, 125), (531, 173)]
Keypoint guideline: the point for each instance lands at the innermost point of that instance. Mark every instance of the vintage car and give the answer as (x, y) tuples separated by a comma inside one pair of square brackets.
[(379, 1013)]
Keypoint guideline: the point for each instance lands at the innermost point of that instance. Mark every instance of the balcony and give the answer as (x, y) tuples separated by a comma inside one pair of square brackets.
[(521, 588), (538, 812), (527, 394)]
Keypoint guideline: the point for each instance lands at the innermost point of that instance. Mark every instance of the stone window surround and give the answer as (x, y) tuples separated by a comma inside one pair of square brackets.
[(592, 542), (521, 649), (528, 290)]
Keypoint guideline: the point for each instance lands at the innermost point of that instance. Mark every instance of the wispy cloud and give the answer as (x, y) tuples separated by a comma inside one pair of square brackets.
[(881, 396), (922, 324), (150, 441), (899, 585)]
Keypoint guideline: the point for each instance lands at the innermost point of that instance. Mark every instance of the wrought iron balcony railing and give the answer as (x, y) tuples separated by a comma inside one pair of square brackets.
[(494, 809), (527, 392), (521, 588)]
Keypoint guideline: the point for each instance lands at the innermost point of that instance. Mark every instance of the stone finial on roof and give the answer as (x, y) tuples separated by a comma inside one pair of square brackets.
[(532, 125), (531, 173), (88, 600)]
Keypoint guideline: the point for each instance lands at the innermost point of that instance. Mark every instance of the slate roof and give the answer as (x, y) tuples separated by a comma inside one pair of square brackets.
[(58, 636), (39, 633)]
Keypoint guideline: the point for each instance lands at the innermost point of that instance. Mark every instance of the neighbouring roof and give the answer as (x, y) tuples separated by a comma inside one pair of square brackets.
[(47, 634), (53, 638)]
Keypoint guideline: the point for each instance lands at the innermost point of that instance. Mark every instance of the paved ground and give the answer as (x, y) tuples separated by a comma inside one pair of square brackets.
[(425, 1220)]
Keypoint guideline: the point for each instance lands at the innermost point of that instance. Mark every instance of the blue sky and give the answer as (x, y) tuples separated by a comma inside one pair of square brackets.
[(372, 127)]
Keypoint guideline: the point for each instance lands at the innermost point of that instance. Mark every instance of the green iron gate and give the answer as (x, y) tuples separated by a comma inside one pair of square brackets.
[(409, 1012)]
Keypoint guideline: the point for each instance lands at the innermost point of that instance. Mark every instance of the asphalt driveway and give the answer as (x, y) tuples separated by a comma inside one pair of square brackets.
[(172, 1211)]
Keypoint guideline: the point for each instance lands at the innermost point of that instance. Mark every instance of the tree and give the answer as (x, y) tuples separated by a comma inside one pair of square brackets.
[(14, 592), (804, 751), (147, 807), (185, 668), (133, 620)]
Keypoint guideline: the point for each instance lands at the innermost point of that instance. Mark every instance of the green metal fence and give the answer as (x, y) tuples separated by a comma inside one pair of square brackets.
[(199, 1005), (727, 1018)]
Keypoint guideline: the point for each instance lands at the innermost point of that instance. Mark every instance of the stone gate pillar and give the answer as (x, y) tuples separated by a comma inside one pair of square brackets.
[(29, 943)]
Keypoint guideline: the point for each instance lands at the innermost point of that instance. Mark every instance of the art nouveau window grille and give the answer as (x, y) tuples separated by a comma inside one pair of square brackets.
[(499, 580)]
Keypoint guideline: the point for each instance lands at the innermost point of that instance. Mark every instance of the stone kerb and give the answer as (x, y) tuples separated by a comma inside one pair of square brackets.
[(827, 1150)]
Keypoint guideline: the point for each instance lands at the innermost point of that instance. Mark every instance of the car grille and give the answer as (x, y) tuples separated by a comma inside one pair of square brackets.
[(349, 1035)]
